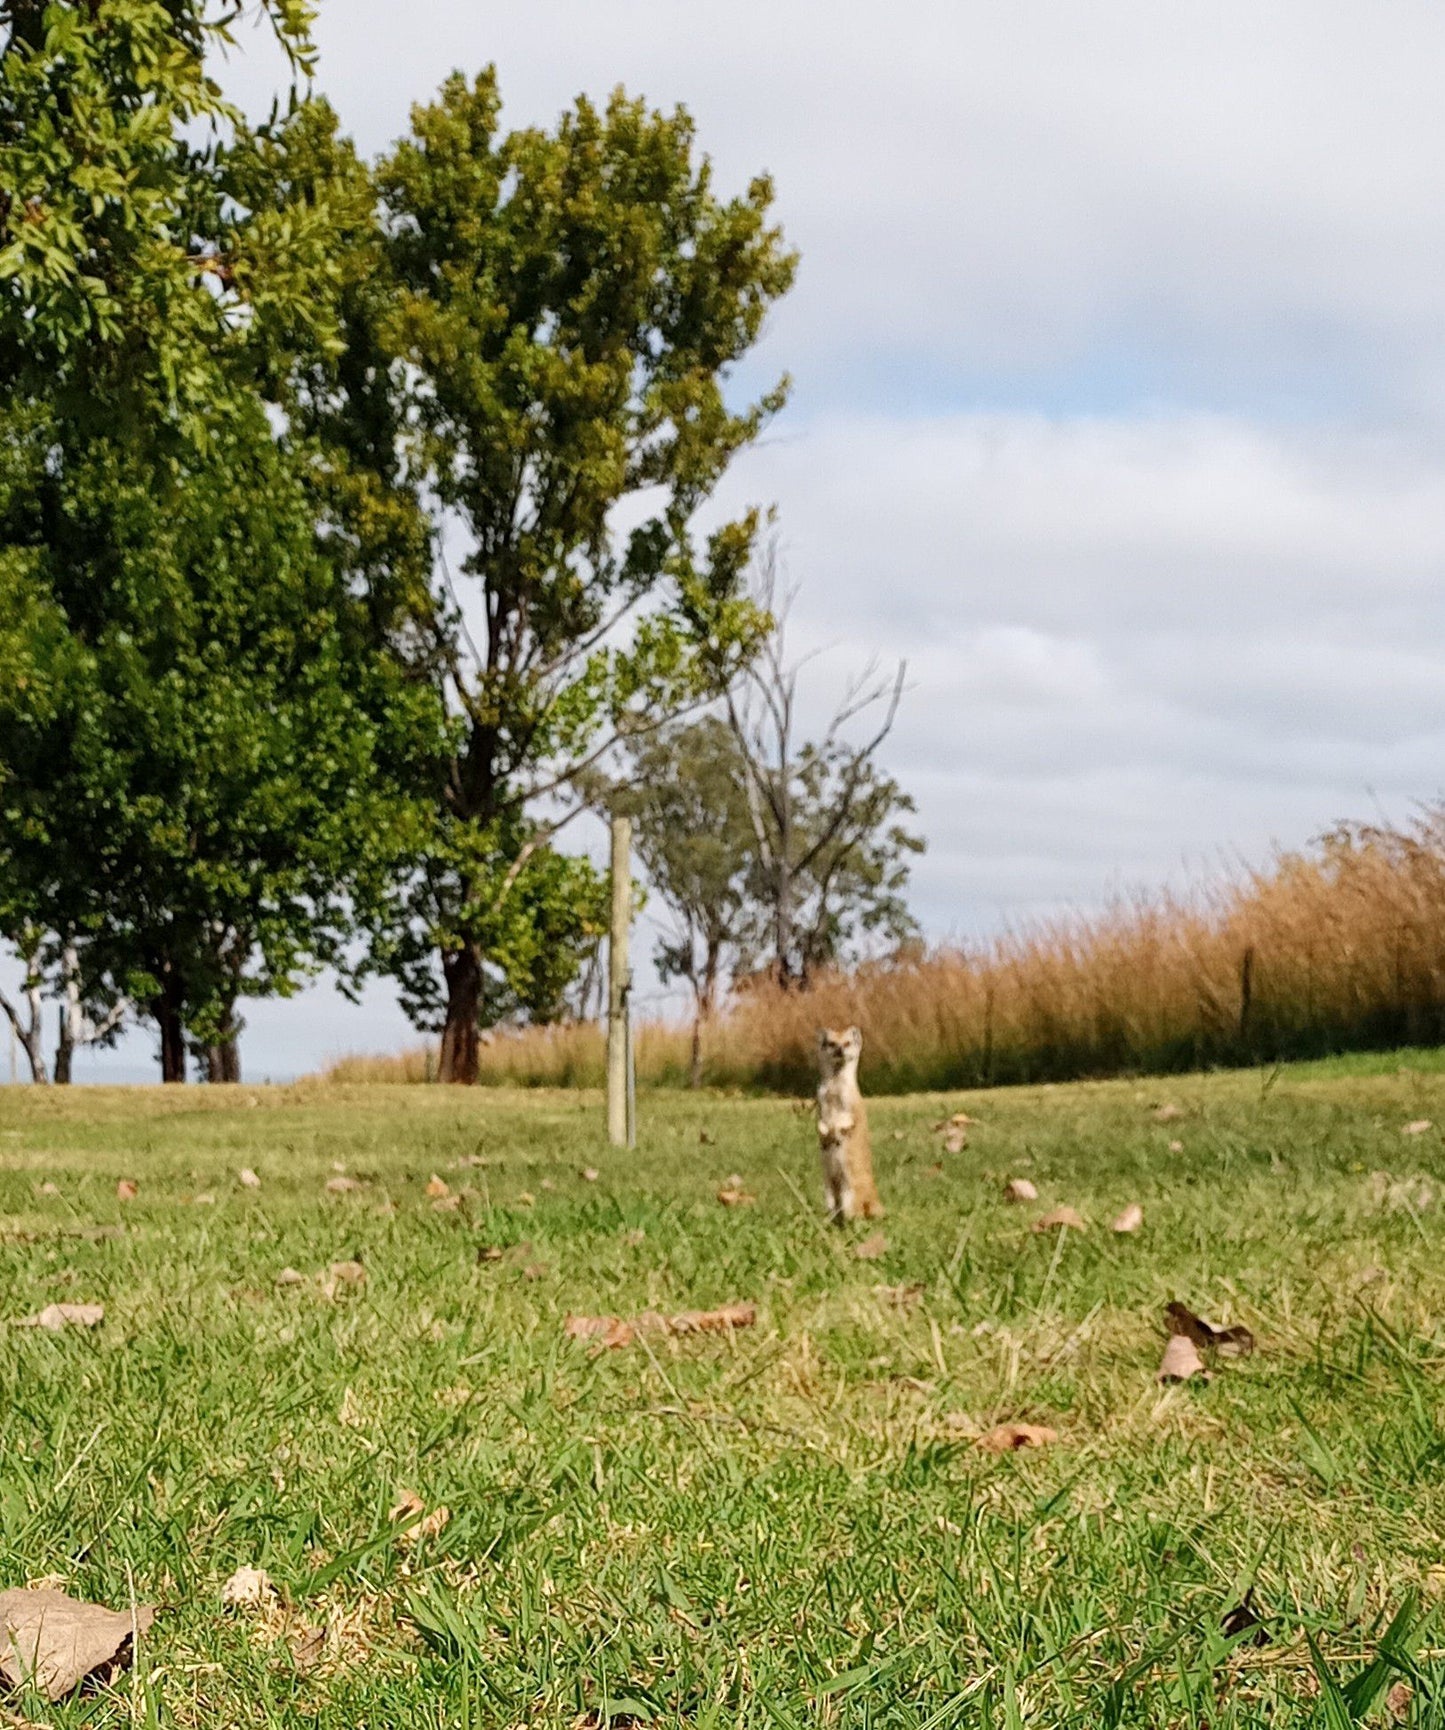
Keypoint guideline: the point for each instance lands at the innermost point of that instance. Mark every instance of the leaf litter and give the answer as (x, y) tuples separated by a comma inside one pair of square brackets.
[(1062, 1218), (1009, 1438), (872, 1248), (613, 1332), (1019, 1189), (54, 1642)]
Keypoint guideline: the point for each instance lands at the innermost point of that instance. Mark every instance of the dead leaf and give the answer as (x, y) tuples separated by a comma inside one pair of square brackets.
[(125, 1190), (342, 1185), (959, 1120), (56, 1317), (473, 1161), (1168, 1113), (1007, 1438), (1235, 1342), (900, 1297), (289, 1276), (248, 1589), (48, 1189), (724, 1320), (547, 1183), (1130, 1219), (53, 1642), (307, 1644), (732, 1194), (1181, 1360), (955, 1140), (526, 1199), (1062, 1218), (590, 1174), (612, 1331), (437, 1187), (535, 1270), (872, 1247), (490, 1252), (247, 1178), (635, 1238), (1417, 1127), (446, 1204), (1402, 1195), (347, 1272), (1020, 1189), (410, 1510), (1397, 1701), (1176, 1147)]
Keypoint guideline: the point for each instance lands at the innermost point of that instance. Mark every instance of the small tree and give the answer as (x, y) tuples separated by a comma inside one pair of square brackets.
[(685, 792), (568, 307), (829, 849)]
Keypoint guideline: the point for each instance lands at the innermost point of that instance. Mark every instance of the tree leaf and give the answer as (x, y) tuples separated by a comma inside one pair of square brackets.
[(1008, 1438), (248, 1589), (1062, 1218), (1019, 1189), (1181, 1360), (1130, 1219), (126, 1190), (53, 1642)]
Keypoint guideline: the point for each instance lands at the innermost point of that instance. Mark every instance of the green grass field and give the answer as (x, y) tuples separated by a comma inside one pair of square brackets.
[(786, 1525)]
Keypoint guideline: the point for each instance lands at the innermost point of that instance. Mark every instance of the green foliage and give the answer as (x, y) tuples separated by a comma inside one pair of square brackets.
[(567, 309)]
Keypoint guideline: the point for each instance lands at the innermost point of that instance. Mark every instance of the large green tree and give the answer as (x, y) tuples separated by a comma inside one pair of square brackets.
[(196, 756), (568, 309)]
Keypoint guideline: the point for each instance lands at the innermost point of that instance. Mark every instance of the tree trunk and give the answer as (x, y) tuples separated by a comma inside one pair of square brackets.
[(30, 1034), (461, 1043), (72, 1021), (167, 1011), (706, 1001), (222, 1058)]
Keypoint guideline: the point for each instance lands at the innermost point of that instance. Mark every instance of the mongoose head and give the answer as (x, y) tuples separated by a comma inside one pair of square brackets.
[(837, 1050)]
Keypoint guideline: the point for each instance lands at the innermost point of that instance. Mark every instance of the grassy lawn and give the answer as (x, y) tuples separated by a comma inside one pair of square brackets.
[(786, 1525)]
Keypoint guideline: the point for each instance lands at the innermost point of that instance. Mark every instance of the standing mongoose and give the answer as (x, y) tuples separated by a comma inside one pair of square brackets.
[(847, 1154)]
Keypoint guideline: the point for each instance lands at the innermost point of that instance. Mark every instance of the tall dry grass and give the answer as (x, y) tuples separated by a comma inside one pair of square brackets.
[(1339, 949)]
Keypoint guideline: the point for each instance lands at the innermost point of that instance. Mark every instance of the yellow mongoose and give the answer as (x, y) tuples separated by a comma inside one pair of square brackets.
[(847, 1154)]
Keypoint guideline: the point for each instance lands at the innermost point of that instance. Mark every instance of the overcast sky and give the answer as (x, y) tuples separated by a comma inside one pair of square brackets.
[(1119, 400)]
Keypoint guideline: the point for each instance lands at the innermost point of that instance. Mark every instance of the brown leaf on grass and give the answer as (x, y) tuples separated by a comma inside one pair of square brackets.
[(473, 1161), (1397, 1701), (1130, 1219), (54, 1642), (307, 1645), (590, 1174), (248, 1589), (723, 1320), (1008, 1438), (871, 1248), (446, 1204), (342, 1185), (1417, 1127), (56, 1317), (955, 1140), (1168, 1113), (126, 1190), (347, 1273), (612, 1331), (247, 1178), (1181, 1360), (1176, 1147), (410, 1511), (732, 1194), (289, 1276), (1403, 1194), (48, 1189), (1020, 1189), (1235, 1342), (526, 1199), (1061, 1219), (535, 1270), (490, 1252), (437, 1187), (899, 1297)]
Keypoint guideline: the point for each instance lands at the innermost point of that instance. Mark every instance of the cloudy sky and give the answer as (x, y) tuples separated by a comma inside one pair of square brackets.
[(1119, 405)]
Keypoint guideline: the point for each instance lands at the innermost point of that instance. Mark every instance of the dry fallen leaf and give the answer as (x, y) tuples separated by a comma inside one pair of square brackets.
[(526, 1199), (1061, 1218), (635, 1238), (289, 1276), (739, 1315), (900, 1297), (590, 1174), (1020, 1189), (48, 1189), (535, 1270), (410, 1510), (1168, 1113), (612, 1331), (1129, 1220), (732, 1194), (872, 1247), (125, 1190), (1402, 1195), (1006, 1438), (1181, 1360), (248, 1589), (342, 1185), (1397, 1701), (247, 1178), (54, 1317), (53, 1642), (437, 1186), (342, 1273), (446, 1204), (1417, 1127), (307, 1645), (1176, 1147), (1235, 1342)]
